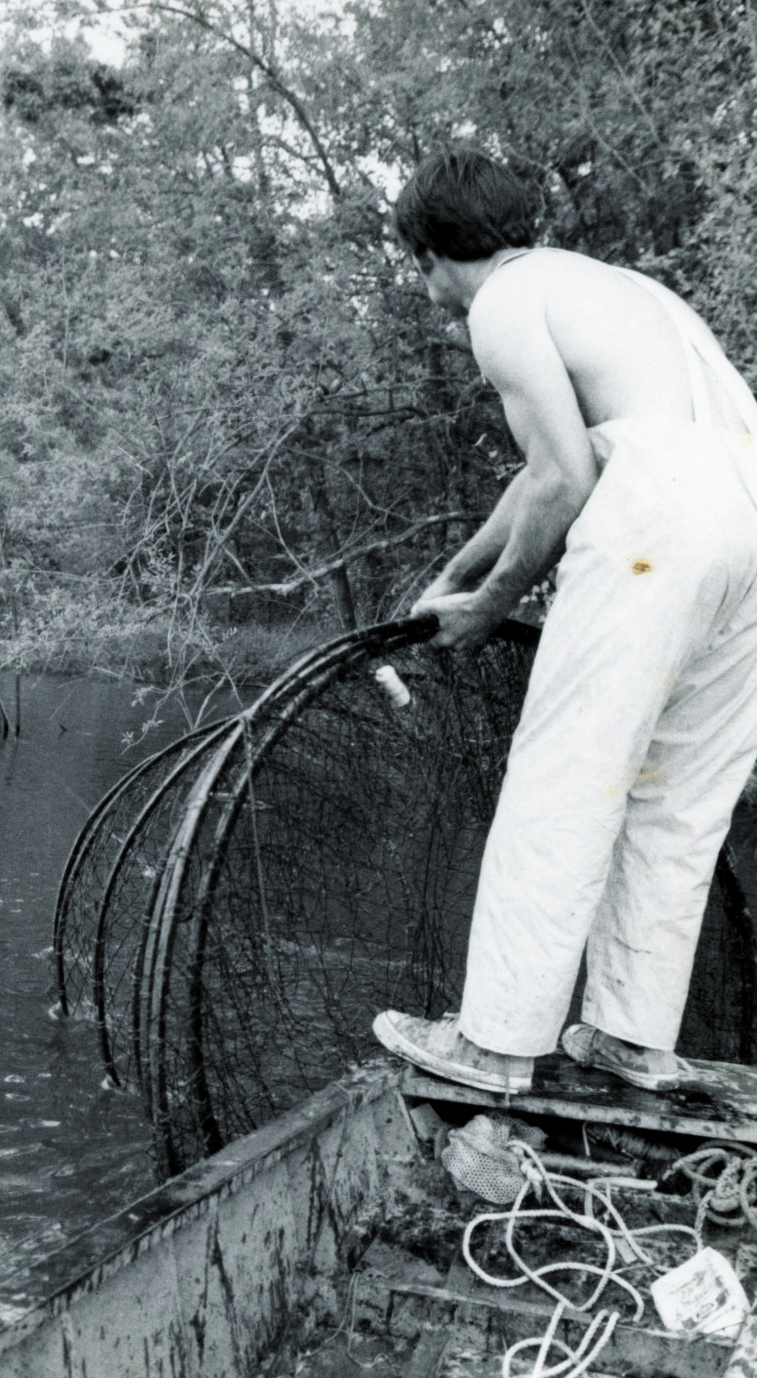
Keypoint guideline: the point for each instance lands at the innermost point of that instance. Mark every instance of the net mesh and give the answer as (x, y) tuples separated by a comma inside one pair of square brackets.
[(720, 1019), (480, 1159), (341, 865), (107, 887), (242, 906)]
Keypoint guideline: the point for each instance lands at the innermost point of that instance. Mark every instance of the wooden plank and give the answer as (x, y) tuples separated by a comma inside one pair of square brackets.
[(720, 1103), (428, 1355), (646, 1350), (431, 1348)]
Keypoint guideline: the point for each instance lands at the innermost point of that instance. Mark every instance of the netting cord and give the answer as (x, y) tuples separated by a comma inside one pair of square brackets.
[(259, 870), (537, 1176)]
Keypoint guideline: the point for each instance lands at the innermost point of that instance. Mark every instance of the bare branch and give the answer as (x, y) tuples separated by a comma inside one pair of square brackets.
[(388, 543), (220, 539)]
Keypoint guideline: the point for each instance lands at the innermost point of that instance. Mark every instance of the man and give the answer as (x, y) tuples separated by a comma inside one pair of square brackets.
[(639, 728)]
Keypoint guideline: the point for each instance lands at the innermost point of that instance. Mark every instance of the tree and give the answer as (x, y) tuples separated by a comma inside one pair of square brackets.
[(221, 383)]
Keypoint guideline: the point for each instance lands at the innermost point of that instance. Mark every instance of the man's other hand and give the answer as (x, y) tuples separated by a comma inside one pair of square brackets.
[(465, 620)]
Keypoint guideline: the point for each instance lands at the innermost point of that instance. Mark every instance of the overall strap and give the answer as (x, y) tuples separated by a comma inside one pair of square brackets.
[(521, 253), (700, 347)]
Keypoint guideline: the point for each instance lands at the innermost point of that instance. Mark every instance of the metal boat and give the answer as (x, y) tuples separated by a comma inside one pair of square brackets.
[(330, 1239)]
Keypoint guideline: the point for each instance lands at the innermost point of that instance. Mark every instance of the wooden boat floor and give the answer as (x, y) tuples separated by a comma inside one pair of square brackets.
[(413, 1308), (719, 1103)]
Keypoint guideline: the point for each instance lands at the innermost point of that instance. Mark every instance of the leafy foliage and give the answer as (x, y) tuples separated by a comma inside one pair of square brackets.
[(222, 394)]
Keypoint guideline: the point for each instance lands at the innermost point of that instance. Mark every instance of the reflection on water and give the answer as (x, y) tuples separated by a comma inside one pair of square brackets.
[(71, 1151)]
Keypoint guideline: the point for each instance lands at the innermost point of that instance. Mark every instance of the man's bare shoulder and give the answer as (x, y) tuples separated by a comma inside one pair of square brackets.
[(614, 337), (535, 277), (513, 302), (508, 315), (569, 287)]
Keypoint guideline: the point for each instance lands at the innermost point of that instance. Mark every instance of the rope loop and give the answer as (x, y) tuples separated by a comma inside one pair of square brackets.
[(598, 1191), (724, 1186)]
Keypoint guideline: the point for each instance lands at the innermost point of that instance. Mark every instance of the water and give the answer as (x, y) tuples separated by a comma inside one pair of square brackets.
[(71, 1151)]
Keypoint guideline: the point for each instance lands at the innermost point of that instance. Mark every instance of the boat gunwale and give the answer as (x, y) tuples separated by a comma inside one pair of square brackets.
[(65, 1276)]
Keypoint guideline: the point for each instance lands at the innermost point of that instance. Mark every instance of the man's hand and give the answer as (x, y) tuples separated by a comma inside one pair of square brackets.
[(466, 620)]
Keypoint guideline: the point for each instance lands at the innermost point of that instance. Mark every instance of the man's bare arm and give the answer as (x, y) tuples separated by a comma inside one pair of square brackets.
[(514, 346), (544, 515), (479, 555)]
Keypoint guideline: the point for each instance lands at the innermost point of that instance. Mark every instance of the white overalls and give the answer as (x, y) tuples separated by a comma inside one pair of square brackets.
[(637, 736)]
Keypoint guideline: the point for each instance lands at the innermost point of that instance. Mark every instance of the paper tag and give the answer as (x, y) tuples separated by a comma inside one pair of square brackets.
[(702, 1296)]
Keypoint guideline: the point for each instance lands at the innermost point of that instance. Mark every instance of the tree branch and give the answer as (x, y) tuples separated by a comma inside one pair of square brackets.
[(330, 567)]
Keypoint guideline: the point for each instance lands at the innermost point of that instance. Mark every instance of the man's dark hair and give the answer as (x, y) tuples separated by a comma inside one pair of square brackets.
[(463, 205)]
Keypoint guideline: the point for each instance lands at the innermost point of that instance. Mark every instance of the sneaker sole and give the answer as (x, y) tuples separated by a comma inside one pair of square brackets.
[(644, 1081), (393, 1041)]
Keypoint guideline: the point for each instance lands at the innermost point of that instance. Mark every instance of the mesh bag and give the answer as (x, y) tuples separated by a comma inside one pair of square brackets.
[(479, 1157)]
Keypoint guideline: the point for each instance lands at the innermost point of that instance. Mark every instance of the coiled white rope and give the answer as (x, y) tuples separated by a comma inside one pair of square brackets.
[(731, 1197), (536, 1175)]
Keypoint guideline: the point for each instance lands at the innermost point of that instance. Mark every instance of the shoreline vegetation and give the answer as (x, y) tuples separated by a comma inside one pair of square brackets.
[(96, 635), (100, 636)]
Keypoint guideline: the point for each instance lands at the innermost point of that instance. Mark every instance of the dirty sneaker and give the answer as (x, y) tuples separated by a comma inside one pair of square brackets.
[(438, 1046), (650, 1068)]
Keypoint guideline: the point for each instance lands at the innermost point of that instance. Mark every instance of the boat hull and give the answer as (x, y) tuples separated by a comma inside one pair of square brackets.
[(202, 1276)]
